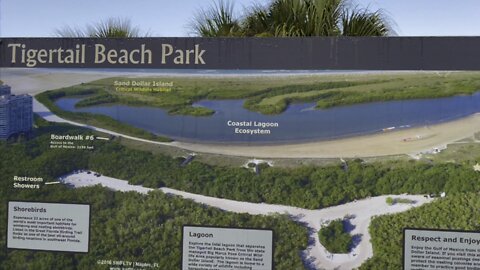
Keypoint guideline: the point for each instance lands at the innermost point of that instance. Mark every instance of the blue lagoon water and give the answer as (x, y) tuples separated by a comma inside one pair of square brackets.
[(300, 122)]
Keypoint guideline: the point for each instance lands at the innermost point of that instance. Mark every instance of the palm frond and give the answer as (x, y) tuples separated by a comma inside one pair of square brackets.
[(113, 28), (361, 22), (292, 18), (109, 28), (256, 22), (325, 17), (70, 32), (218, 20)]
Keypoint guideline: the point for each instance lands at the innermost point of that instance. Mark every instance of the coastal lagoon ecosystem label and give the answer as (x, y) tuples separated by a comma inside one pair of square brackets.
[(252, 127), (48, 226), (441, 249), (216, 248)]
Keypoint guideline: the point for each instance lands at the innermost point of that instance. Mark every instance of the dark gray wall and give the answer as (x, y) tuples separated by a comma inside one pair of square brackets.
[(337, 53)]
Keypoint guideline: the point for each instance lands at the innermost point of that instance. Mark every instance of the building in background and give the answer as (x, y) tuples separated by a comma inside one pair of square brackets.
[(16, 113)]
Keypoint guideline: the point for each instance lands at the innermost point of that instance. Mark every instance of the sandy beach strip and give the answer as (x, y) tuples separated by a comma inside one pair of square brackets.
[(35, 81), (406, 141), (397, 142)]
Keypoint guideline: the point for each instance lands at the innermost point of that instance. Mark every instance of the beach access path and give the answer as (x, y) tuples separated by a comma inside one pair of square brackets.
[(315, 256)]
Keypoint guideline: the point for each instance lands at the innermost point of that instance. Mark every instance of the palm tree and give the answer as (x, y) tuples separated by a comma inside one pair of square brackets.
[(217, 21), (296, 18), (360, 22), (109, 28)]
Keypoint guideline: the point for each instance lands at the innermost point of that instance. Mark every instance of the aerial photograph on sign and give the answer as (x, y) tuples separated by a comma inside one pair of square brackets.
[(221, 168), (325, 152)]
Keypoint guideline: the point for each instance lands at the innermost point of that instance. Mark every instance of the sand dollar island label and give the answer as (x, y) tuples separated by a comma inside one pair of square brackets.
[(143, 85), (252, 127)]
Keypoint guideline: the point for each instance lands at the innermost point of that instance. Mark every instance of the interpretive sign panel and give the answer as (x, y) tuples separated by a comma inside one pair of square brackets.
[(48, 226), (215, 248), (441, 249)]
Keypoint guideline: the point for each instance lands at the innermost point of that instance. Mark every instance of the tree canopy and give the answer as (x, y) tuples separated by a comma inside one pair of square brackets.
[(288, 18), (335, 238), (108, 28), (124, 225), (456, 212)]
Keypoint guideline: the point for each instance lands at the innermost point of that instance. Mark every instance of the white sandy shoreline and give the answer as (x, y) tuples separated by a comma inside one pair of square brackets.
[(411, 141), (201, 72)]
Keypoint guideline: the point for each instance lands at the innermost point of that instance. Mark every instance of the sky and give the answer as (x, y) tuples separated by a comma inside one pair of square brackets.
[(170, 18)]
